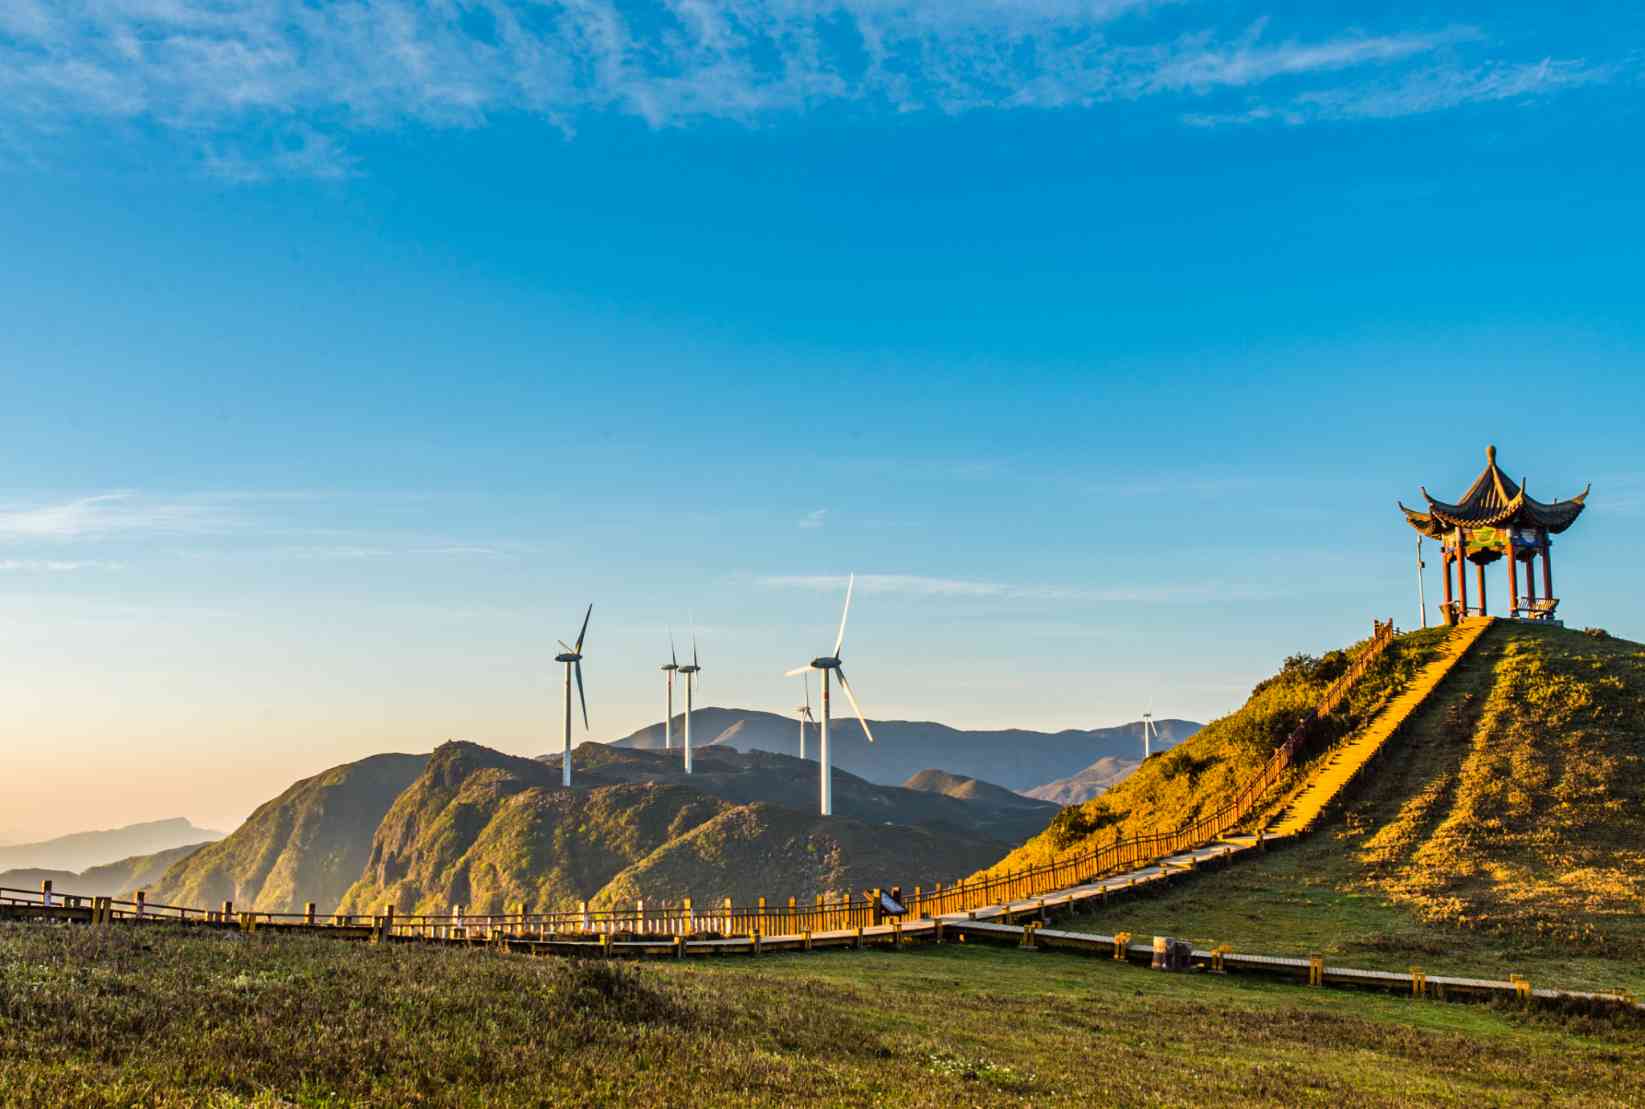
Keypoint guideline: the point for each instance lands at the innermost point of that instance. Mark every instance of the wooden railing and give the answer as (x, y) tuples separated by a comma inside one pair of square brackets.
[(792, 918)]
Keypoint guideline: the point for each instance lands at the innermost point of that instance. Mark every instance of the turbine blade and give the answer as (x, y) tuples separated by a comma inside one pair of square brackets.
[(580, 696), (839, 641), (584, 632), (566, 645), (673, 655), (808, 692), (852, 697), (798, 670), (694, 648)]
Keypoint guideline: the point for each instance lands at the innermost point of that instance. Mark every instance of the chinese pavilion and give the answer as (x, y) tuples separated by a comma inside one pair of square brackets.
[(1494, 518)]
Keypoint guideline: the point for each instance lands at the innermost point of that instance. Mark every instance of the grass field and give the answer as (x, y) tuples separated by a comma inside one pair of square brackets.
[(163, 1017)]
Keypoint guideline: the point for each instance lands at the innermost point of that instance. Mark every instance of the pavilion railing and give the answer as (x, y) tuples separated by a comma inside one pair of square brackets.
[(684, 918)]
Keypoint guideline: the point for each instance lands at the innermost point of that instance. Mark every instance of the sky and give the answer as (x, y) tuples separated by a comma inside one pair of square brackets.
[(348, 350)]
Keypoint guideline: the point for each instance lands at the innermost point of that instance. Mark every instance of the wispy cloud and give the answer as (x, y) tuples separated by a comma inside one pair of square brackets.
[(1426, 90), (920, 586), (263, 88), (814, 519), (54, 565), (105, 514)]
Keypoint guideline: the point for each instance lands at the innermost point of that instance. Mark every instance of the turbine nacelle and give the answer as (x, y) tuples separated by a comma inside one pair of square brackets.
[(825, 664), (568, 658)]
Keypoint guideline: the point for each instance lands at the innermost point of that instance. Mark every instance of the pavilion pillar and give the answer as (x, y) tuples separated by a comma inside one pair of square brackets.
[(1530, 581), (1547, 574), (1462, 575), (1445, 561), (1513, 577), (1480, 567)]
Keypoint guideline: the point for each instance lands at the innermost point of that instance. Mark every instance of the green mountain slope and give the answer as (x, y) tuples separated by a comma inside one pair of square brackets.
[(488, 831), (762, 850), (308, 844)]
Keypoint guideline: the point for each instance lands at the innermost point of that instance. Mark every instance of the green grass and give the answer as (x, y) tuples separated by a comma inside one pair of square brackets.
[(158, 1016)]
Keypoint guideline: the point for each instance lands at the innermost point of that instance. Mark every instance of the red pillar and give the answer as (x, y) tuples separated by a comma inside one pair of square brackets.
[(1530, 581), (1450, 611), (1480, 566), (1547, 574), (1462, 573), (1513, 576)]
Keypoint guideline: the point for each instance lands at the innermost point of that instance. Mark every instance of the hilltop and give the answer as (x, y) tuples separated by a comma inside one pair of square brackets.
[(490, 831), (82, 850), (308, 844), (1016, 758)]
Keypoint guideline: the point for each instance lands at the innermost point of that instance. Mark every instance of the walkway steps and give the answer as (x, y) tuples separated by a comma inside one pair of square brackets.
[(1343, 764)]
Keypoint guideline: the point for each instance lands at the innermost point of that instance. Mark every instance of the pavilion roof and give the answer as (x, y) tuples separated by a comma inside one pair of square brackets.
[(1493, 500)]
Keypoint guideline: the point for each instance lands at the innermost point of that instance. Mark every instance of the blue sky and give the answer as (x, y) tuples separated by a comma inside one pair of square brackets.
[(347, 350)]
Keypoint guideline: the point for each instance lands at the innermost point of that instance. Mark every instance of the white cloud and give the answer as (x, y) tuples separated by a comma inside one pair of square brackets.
[(814, 519), (104, 514), (1425, 90), (301, 77)]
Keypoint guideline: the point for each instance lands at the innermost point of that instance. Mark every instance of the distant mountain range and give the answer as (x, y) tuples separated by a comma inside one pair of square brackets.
[(102, 881), (1015, 758), (83, 850)]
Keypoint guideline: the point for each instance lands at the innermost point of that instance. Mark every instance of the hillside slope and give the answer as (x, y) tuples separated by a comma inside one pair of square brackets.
[(1016, 758), (762, 850), (1206, 771), (308, 844), (82, 850), (1502, 831), (123, 877)]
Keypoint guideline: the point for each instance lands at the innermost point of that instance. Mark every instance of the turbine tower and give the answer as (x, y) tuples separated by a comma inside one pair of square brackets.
[(830, 664), (573, 659), (669, 669), (1150, 732), (690, 673), (804, 711)]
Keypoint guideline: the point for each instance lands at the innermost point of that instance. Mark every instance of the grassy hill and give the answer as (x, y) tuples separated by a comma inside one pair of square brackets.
[(1093, 781), (83, 850), (1016, 758), (1501, 832), (308, 844), (1205, 771)]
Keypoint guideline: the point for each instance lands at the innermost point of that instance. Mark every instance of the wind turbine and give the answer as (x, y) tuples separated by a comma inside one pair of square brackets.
[(804, 711), (690, 673), (830, 664), (573, 659), (669, 668), (1150, 732)]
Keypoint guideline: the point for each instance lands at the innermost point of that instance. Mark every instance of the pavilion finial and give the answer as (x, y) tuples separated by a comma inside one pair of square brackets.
[(1490, 454)]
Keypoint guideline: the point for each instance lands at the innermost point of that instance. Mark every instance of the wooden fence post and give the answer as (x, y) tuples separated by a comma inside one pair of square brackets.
[(142, 903), (308, 914), (45, 892)]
